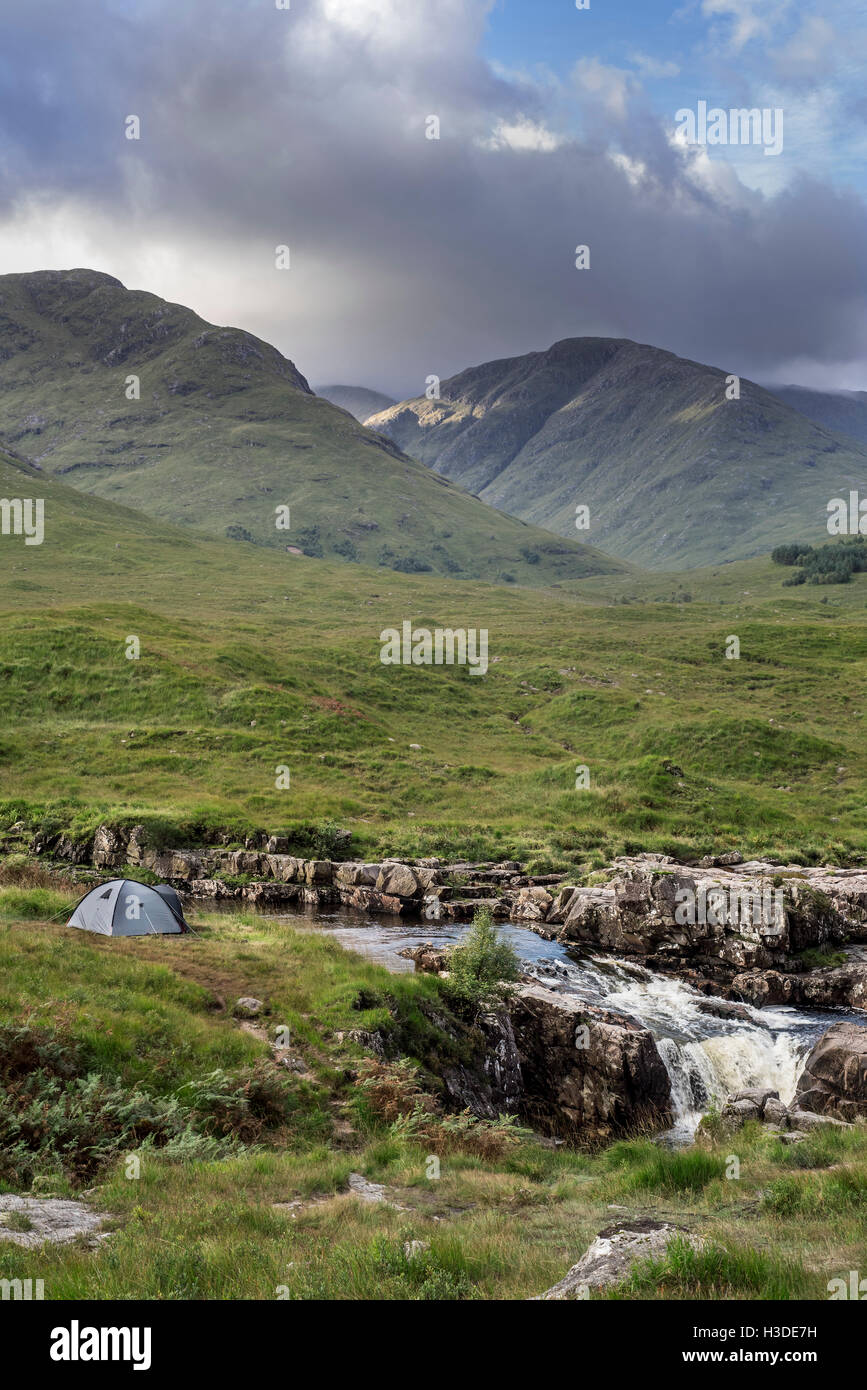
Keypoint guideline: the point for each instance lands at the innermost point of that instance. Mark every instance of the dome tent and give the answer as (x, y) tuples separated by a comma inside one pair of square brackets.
[(125, 908)]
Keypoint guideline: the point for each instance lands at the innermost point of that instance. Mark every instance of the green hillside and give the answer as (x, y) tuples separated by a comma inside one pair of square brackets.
[(247, 667), (842, 411), (674, 474), (226, 430)]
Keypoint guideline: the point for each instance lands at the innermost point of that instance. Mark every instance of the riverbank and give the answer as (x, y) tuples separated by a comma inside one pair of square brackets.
[(282, 1214)]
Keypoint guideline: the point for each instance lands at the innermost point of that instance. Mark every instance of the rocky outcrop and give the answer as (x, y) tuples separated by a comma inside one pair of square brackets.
[(615, 1251), (844, 985), (587, 1074), (762, 1104), (834, 1079)]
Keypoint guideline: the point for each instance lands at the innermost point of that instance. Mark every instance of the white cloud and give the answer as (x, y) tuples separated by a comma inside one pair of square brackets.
[(522, 134)]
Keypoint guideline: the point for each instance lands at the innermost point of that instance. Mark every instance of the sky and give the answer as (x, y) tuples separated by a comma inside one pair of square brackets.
[(308, 127)]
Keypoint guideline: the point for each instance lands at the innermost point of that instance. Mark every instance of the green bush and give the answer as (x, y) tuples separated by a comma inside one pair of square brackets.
[(482, 966)]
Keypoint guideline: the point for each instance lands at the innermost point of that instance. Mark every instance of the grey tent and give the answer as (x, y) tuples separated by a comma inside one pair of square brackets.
[(124, 908)]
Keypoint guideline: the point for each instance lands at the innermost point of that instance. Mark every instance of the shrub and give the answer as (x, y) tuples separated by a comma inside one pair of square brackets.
[(482, 966)]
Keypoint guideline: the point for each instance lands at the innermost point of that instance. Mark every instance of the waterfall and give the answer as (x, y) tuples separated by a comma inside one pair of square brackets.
[(708, 1056)]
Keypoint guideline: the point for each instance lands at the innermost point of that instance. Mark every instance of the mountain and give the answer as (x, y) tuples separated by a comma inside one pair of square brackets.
[(226, 431), (357, 400), (674, 474), (844, 412)]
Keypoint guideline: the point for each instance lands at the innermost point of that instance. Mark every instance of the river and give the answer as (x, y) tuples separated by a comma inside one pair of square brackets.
[(707, 1058)]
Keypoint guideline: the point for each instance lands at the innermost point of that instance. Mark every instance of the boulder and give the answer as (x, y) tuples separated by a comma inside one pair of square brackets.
[(248, 1007), (427, 957), (834, 1079), (398, 880), (587, 1074), (613, 1253), (284, 867)]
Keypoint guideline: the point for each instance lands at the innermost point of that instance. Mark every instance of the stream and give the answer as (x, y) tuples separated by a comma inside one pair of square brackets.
[(707, 1058)]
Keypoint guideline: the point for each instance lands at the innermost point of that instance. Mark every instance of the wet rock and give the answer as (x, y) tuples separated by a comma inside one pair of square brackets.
[(427, 957), (614, 1252), (490, 1083)]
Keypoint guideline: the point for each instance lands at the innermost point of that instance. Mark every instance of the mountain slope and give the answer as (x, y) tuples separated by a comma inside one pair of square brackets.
[(845, 412), (358, 400), (226, 431), (674, 474)]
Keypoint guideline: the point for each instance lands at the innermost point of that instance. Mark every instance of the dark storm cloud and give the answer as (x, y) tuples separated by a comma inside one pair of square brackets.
[(409, 255)]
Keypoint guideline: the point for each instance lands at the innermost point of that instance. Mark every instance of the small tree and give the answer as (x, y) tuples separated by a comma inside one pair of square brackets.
[(483, 967)]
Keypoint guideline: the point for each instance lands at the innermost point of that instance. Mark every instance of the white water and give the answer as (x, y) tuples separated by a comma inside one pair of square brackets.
[(707, 1058)]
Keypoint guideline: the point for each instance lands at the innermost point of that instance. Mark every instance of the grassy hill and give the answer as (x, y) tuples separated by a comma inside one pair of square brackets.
[(358, 400), (674, 474), (250, 660), (226, 430)]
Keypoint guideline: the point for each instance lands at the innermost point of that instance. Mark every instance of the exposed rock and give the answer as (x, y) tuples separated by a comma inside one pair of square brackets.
[(724, 1008), (531, 905), (248, 1007), (109, 848), (492, 1085), (398, 880), (284, 867), (587, 1073), (51, 1219), (365, 1190), (212, 888), (614, 1252), (317, 870), (275, 894), (427, 957), (413, 1248), (834, 1079)]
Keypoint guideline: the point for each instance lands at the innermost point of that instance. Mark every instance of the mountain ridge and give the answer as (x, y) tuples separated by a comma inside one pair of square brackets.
[(576, 425), (226, 436)]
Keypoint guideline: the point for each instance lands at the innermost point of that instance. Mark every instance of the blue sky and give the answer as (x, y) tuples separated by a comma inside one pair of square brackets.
[(809, 59)]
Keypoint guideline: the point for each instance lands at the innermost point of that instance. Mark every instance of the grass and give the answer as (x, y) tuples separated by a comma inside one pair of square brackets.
[(247, 668), (502, 1224)]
